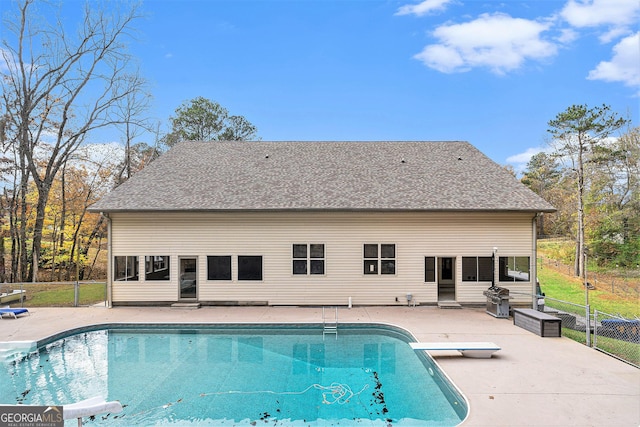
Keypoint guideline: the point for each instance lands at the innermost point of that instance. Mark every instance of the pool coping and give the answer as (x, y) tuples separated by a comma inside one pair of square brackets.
[(532, 381)]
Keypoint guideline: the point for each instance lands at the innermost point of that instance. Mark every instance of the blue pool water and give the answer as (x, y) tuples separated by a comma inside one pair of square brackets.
[(281, 375)]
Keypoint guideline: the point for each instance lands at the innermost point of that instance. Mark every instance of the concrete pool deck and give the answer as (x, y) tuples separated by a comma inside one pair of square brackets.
[(531, 381)]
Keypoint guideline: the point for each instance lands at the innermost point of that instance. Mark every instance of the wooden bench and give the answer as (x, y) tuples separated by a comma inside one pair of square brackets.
[(478, 350), (537, 322)]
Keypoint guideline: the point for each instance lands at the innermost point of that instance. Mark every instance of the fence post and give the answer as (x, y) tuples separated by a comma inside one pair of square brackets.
[(595, 328), (76, 294), (588, 325)]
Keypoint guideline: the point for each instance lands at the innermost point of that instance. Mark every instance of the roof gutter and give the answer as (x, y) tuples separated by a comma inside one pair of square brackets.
[(359, 210)]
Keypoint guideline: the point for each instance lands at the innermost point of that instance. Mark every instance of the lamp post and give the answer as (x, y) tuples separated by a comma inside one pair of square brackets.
[(586, 283), (493, 268), (586, 299)]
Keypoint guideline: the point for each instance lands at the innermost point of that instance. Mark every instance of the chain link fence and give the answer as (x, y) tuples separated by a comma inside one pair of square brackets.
[(617, 336), (611, 334), (53, 294), (573, 316), (626, 283)]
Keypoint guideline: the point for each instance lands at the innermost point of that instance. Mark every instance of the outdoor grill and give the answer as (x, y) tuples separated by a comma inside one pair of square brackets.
[(497, 301)]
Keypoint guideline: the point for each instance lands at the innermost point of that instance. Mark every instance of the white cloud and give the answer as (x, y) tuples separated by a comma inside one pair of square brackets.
[(95, 156), (445, 59), (496, 41), (617, 15), (525, 156), (567, 36), (519, 161), (423, 8), (612, 34), (593, 13), (624, 65), (614, 18)]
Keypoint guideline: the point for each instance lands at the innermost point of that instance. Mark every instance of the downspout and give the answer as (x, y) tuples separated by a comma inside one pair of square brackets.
[(109, 257), (534, 264)]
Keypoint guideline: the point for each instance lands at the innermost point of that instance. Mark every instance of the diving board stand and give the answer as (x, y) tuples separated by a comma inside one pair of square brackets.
[(478, 350)]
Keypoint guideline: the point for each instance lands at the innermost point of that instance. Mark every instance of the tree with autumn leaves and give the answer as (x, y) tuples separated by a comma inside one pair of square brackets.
[(58, 87)]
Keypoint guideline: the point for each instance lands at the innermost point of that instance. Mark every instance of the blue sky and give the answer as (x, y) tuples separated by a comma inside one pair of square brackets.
[(489, 72)]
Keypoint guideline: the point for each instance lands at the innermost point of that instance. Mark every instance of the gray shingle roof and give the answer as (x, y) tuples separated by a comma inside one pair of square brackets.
[(431, 176)]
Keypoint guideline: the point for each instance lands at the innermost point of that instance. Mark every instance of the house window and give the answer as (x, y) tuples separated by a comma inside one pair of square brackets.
[(379, 258), (249, 267), (477, 269), (429, 269), (514, 269), (308, 259), (125, 268), (156, 267), (219, 267)]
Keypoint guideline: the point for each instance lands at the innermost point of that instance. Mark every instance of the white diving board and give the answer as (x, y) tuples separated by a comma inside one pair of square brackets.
[(479, 350)]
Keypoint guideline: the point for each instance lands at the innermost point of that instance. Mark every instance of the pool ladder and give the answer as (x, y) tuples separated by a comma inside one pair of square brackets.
[(329, 327)]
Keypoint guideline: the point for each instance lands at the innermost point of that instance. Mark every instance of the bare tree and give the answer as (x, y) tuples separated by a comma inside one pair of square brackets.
[(59, 87), (131, 110)]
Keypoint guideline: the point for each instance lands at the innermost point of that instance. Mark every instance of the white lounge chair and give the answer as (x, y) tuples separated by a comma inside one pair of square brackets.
[(479, 350)]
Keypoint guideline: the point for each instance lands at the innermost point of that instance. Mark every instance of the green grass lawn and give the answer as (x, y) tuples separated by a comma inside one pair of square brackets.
[(560, 286), (623, 349), (63, 295), (578, 336)]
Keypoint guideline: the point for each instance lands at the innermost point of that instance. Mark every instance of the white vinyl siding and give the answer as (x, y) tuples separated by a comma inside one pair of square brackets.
[(271, 235)]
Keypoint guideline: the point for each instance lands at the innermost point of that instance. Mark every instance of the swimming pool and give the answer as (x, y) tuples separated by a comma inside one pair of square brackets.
[(239, 375)]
